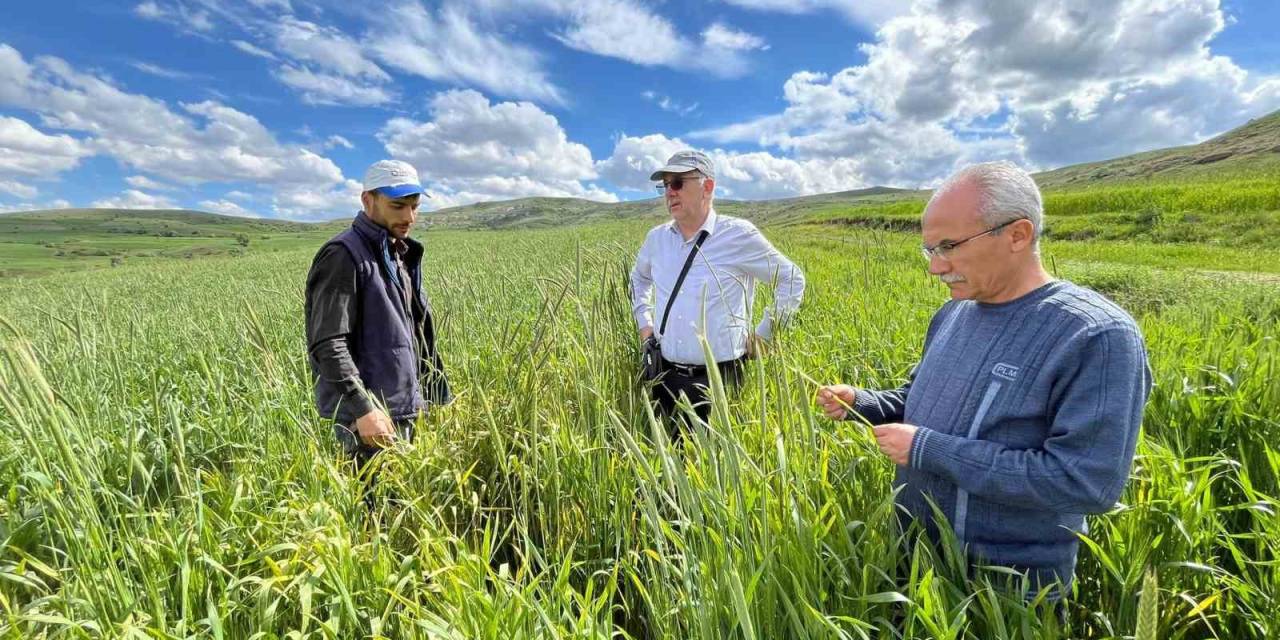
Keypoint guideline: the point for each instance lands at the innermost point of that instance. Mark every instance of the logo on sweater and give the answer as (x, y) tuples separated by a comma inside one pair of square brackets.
[(1006, 371)]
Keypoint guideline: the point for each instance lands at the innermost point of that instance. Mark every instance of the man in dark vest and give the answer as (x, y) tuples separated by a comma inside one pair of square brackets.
[(369, 329)]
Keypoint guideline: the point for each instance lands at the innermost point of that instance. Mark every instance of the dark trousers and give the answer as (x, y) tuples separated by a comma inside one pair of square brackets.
[(692, 382), (359, 454)]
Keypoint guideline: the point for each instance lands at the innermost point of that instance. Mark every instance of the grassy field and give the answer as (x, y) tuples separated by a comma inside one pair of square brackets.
[(39, 243), (166, 476)]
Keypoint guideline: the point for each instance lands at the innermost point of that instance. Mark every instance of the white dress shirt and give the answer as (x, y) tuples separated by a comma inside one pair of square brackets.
[(715, 299)]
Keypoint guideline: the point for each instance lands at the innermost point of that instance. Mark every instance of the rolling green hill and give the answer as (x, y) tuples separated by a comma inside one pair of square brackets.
[(550, 212), (1249, 151), (35, 242)]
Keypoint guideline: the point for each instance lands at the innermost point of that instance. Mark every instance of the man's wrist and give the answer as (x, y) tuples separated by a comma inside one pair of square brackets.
[(852, 412)]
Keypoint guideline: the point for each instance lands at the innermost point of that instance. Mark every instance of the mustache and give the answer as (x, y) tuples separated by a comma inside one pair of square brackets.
[(951, 278)]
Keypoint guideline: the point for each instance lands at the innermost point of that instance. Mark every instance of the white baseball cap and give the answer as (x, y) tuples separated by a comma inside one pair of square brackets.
[(393, 179)]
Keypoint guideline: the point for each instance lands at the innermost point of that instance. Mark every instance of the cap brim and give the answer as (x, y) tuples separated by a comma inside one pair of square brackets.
[(672, 168), (402, 190)]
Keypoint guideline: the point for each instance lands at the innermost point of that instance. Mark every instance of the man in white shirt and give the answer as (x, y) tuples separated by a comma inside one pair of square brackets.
[(715, 299)]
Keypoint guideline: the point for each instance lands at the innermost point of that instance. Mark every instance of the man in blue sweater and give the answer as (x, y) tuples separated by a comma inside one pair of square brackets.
[(1023, 412)]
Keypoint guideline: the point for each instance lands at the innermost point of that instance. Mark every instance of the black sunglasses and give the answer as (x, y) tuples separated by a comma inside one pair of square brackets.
[(675, 184)]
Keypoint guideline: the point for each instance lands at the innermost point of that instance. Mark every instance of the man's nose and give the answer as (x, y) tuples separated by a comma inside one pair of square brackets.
[(938, 266)]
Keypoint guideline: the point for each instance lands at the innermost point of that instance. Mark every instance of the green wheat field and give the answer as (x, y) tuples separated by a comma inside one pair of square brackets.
[(165, 475)]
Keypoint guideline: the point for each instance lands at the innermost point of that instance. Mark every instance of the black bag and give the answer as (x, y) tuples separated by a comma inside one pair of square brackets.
[(651, 363)]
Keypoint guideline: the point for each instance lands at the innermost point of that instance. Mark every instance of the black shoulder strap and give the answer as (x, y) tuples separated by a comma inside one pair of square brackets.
[(688, 262)]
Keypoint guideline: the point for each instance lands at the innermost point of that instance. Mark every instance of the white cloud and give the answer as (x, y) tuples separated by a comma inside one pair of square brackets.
[(866, 12), (631, 31), (149, 10), (327, 66), (282, 5), (1051, 82), (226, 207), (448, 47), (473, 150), (623, 29), (325, 47), (666, 103), (305, 203), (177, 13), (25, 150), (18, 189), (253, 49), (634, 158), (754, 175), (134, 199), (209, 142), (143, 182), (338, 141), (200, 143), (332, 89), (239, 195), (720, 36), (162, 72), (335, 66)]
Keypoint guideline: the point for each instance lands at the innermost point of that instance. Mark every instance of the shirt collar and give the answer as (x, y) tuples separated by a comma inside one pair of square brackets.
[(398, 246), (708, 225)]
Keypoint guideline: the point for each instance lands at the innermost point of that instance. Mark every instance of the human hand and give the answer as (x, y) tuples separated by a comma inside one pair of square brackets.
[(375, 429), (836, 400), (895, 441)]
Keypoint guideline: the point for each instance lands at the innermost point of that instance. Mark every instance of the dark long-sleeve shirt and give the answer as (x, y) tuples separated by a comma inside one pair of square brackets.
[(331, 312)]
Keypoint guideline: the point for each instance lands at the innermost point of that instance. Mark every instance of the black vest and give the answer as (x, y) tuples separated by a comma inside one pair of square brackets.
[(382, 341)]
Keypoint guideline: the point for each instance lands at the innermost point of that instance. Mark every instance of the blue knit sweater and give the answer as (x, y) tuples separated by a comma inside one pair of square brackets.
[(1028, 414)]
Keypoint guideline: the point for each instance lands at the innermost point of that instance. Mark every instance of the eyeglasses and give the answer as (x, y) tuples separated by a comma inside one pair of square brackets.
[(944, 248), (676, 184)]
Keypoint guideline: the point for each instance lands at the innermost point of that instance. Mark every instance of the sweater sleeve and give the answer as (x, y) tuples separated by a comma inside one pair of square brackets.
[(881, 406), (890, 405), (1084, 463)]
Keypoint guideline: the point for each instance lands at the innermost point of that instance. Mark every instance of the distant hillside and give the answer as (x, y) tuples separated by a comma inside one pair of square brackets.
[(35, 242), (547, 212), (1248, 151), (159, 222)]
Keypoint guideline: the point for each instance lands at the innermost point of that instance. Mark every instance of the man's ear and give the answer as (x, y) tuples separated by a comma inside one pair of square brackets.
[(1022, 234), (708, 185), (366, 200)]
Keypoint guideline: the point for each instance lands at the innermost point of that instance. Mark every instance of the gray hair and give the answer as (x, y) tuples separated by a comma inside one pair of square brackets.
[(1006, 192)]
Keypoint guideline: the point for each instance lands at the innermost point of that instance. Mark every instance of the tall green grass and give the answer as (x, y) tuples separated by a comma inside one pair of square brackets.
[(165, 475)]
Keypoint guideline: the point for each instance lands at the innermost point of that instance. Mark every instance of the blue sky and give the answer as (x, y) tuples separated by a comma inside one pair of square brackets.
[(274, 108)]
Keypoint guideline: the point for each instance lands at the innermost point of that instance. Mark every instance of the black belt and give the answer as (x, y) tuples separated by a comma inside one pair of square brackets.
[(691, 370)]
